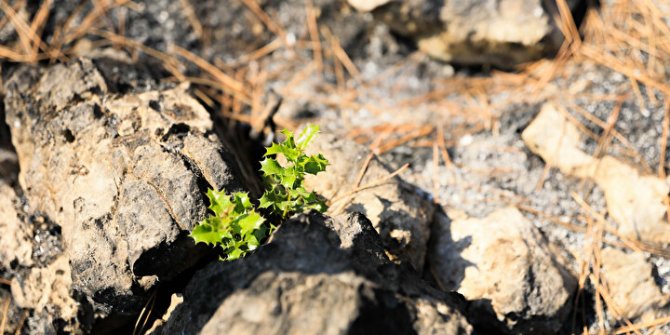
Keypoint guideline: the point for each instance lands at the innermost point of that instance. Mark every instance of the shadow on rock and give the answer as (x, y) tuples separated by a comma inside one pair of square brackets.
[(503, 266), (316, 276)]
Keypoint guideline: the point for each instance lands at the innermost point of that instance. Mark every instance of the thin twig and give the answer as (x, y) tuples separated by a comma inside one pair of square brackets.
[(5, 310)]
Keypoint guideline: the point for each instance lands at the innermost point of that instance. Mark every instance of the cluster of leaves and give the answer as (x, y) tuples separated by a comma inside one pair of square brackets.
[(236, 226), (285, 193)]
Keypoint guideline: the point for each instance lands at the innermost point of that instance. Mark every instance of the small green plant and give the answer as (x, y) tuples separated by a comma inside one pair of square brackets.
[(285, 193), (235, 226)]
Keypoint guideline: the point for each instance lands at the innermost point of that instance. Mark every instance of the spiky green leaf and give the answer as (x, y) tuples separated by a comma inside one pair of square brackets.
[(306, 136), (250, 222), (271, 167), (207, 232), (219, 202)]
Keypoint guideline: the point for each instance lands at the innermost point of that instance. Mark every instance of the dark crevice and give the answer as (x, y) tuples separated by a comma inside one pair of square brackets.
[(176, 129), (381, 312), (67, 134)]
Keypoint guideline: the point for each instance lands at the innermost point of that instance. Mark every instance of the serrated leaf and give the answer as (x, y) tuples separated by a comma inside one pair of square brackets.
[(271, 167), (250, 222), (265, 201), (288, 177), (315, 164), (289, 141), (306, 136), (252, 242), (234, 254), (290, 152), (219, 202), (206, 233), (242, 201), (318, 206)]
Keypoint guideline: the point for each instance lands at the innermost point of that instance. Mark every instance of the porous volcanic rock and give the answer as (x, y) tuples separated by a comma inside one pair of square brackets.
[(122, 171), (316, 276), (503, 266), (15, 240)]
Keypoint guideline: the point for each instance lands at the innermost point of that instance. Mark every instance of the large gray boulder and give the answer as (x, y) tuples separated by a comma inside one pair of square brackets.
[(123, 173), (316, 276)]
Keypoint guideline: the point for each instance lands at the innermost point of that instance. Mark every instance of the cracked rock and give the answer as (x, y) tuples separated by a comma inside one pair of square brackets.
[(122, 173), (316, 276)]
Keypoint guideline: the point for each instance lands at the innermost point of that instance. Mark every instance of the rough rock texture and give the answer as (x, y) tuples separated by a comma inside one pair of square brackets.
[(15, 240), (47, 289), (631, 283), (316, 276), (396, 209), (123, 174), (502, 265), (634, 200), (502, 33)]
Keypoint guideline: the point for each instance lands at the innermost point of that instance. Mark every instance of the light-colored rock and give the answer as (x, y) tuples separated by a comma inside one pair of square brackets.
[(47, 289), (631, 283), (503, 265), (400, 215), (124, 175), (175, 300), (636, 202), (502, 33), (15, 237), (367, 5)]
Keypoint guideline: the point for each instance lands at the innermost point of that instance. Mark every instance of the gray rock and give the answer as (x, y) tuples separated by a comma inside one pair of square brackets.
[(502, 33), (396, 209), (122, 173), (316, 276), (503, 266)]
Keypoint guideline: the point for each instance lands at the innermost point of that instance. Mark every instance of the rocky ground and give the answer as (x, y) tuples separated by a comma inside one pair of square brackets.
[(496, 167)]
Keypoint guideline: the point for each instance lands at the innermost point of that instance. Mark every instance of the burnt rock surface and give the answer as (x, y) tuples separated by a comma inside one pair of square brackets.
[(316, 276), (122, 174)]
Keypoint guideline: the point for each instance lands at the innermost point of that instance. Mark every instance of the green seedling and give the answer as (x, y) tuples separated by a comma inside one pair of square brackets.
[(285, 191), (235, 225)]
